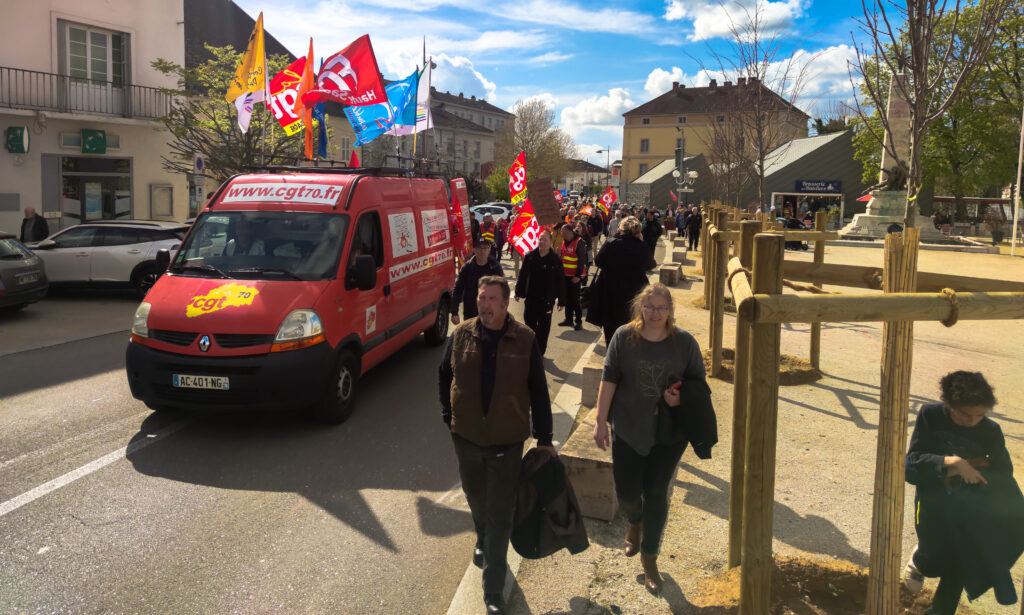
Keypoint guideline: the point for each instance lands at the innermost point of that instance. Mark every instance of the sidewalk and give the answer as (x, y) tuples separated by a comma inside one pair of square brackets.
[(825, 473)]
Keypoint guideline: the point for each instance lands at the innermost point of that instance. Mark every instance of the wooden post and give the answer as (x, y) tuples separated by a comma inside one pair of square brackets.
[(720, 260), (897, 360), (702, 243), (762, 423), (741, 365), (820, 220)]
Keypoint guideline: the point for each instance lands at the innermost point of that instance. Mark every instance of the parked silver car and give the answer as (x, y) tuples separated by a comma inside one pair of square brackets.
[(111, 252), (22, 274)]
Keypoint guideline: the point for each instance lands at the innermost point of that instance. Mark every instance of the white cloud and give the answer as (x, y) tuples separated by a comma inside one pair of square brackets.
[(457, 74), (598, 112), (589, 153), (716, 19), (550, 57), (547, 98)]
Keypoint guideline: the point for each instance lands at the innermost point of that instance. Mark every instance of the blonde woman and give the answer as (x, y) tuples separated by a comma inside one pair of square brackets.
[(646, 360)]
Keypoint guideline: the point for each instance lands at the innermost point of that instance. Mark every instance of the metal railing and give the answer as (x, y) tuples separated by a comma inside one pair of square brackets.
[(29, 89)]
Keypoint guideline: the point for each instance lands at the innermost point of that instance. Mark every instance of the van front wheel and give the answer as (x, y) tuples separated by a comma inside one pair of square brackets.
[(438, 332), (339, 402)]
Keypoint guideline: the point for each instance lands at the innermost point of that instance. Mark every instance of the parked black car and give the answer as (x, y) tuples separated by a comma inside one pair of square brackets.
[(22, 274)]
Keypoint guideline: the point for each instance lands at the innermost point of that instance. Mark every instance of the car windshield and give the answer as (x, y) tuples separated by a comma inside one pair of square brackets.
[(11, 249), (263, 244)]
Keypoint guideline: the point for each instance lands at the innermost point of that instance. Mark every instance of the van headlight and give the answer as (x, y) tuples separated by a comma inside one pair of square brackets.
[(300, 329), (140, 326)]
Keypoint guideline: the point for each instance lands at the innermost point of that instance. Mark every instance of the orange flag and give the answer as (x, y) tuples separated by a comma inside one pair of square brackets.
[(306, 84)]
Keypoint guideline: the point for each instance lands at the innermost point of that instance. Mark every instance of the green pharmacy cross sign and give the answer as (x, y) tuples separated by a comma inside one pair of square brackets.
[(94, 141)]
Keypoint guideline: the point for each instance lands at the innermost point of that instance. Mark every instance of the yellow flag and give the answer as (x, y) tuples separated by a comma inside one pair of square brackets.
[(251, 75)]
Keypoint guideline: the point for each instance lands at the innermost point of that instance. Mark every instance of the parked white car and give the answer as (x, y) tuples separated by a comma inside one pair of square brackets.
[(111, 252), (498, 210)]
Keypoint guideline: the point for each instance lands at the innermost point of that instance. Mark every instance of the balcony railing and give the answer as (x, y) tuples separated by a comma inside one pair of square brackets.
[(29, 89)]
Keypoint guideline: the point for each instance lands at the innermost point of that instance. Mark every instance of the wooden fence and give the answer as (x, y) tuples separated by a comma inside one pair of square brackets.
[(761, 308)]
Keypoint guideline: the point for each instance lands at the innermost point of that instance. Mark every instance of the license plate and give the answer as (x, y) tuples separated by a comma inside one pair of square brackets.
[(201, 382), (28, 278)]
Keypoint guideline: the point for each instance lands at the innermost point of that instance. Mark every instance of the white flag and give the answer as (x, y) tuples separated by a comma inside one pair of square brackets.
[(245, 104), (424, 121)]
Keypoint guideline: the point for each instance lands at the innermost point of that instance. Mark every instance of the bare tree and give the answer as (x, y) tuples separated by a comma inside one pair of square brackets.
[(758, 115), (939, 56), (548, 148)]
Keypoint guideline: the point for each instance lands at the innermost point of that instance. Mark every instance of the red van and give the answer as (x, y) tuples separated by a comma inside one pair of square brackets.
[(290, 285)]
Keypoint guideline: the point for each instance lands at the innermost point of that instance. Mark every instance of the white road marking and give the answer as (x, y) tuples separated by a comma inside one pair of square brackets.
[(61, 481)]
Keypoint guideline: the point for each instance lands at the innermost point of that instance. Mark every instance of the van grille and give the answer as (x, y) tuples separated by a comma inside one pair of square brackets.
[(178, 338), (241, 340)]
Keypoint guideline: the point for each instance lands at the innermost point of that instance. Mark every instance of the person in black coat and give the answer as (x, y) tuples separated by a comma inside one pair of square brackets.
[(33, 227), (969, 511), (624, 263), (541, 283), (651, 232), (693, 224), (465, 290)]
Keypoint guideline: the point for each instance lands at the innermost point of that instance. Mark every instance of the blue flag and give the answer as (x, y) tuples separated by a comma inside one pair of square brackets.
[(320, 118), (371, 121)]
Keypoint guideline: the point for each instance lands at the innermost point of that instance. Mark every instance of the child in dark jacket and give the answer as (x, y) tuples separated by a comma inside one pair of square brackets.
[(968, 509)]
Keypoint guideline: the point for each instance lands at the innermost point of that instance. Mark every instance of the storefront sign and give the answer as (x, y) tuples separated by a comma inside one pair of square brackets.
[(819, 186)]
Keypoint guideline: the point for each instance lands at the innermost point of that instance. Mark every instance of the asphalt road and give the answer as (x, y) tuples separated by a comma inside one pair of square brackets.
[(106, 507)]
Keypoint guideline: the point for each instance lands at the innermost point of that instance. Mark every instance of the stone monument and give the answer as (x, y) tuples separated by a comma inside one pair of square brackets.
[(890, 206)]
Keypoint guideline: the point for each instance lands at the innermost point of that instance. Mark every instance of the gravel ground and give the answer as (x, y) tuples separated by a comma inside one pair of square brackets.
[(826, 452)]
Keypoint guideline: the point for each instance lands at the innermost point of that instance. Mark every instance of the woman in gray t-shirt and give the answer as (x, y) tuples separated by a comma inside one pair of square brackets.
[(645, 358)]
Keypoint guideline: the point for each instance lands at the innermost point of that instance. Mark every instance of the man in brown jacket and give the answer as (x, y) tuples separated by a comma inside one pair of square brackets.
[(490, 418)]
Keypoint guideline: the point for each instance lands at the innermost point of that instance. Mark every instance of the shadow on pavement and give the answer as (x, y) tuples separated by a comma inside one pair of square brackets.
[(812, 533), (393, 441), (54, 365)]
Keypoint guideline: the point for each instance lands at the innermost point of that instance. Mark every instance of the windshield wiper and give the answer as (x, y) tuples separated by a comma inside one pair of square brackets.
[(206, 268), (293, 276)]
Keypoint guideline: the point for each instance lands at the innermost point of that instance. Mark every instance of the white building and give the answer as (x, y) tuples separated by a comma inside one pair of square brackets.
[(76, 78)]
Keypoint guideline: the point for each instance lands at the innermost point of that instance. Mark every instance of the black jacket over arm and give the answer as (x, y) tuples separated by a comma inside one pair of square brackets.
[(547, 517)]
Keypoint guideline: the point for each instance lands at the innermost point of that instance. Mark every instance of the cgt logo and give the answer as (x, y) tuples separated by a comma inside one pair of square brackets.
[(229, 295)]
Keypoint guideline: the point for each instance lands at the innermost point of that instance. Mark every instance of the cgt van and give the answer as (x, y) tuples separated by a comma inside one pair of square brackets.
[(291, 285)]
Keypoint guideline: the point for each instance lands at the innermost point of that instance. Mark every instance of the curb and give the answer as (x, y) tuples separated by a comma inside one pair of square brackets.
[(469, 597)]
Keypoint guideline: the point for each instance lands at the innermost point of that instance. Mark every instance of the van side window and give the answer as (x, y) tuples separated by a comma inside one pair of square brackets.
[(367, 238)]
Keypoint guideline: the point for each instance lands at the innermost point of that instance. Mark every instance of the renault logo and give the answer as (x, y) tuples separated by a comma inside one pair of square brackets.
[(204, 343)]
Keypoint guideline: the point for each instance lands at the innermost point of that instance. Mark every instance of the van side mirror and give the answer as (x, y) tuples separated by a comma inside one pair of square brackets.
[(364, 272), (163, 259)]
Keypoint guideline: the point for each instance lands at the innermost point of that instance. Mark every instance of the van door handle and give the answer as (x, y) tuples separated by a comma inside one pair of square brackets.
[(387, 290)]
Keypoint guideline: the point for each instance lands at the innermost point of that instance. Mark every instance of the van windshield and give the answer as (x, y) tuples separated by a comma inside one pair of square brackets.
[(263, 244)]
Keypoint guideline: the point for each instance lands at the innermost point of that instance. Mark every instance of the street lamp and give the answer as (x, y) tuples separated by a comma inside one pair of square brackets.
[(684, 183), (608, 152)]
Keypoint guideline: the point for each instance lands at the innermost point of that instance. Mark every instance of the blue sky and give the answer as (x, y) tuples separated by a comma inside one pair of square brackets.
[(591, 61)]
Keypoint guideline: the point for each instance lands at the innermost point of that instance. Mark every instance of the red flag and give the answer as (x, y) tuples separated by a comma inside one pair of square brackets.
[(354, 160), (672, 194), (350, 77), (609, 197), (517, 179), (588, 210), (525, 231), (284, 96), (558, 196), (301, 106)]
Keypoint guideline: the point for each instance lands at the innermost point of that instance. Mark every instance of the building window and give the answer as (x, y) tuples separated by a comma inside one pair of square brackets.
[(646, 120), (720, 118), (488, 122), (465, 150), (645, 146), (681, 119), (643, 168), (679, 143), (95, 55), (476, 150), (346, 148), (476, 168)]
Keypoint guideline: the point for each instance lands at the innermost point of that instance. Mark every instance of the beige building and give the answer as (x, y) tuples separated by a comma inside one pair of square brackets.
[(76, 79), (583, 174), (702, 121)]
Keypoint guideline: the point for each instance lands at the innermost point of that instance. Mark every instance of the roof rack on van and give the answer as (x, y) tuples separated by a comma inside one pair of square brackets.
[(378, 171)]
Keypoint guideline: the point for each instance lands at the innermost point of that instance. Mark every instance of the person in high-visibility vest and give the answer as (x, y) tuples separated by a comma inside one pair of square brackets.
[(489, 233), (574, 267)]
